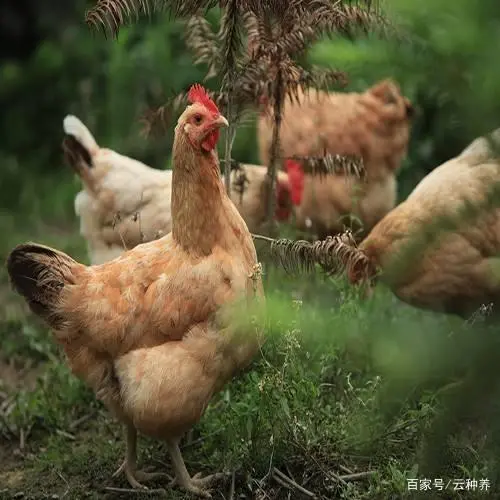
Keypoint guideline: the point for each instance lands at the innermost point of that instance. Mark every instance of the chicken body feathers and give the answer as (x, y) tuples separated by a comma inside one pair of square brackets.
[(107, 315), (149, 331), (374, 125), (454, 273), (40, 273), (131, 205), (250, 196), (124, 202)]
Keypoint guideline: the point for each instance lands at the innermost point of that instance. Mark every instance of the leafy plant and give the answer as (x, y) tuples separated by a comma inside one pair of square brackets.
[(267, 71)]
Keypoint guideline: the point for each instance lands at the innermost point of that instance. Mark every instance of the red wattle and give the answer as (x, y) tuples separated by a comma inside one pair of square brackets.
[(211, 141), (296, 180)]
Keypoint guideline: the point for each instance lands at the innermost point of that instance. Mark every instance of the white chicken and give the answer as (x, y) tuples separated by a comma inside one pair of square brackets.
[(123, 202)]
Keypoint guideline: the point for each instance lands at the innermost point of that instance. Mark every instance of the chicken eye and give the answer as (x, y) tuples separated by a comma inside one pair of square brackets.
[(197, 119)]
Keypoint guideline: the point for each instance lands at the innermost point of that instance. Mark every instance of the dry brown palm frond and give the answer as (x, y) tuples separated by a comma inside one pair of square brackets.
[(328, 164), (112, 14), (202, 41), (157, 121), (272, 50), (186, 8), (230, 39), (259, 33), (251, 81), (364, 19), (296, 41), (321, 78), (335, 254), (230, 43), (272, 46), (274, 9), (346, 19)]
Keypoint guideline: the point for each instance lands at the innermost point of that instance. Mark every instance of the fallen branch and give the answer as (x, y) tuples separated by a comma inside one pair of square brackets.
[(80, 421), (140, 492), (233, 486), (65, 434), (67, 484), (22, 441), (356, 476), (289, 483), (343, 467)]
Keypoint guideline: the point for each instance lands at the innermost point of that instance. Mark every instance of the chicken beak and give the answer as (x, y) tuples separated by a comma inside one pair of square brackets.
[(220, 121)]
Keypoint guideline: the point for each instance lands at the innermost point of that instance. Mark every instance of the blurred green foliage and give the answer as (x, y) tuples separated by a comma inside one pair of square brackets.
[(448, 68), (342, 378)]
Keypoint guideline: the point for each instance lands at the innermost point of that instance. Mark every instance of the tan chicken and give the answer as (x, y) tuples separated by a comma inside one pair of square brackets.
[(249, 191), (146, 330), (125, 202), (374, 125), (455, 273)]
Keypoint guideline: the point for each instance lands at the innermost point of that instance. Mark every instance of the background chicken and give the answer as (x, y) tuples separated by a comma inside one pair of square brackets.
[(145, 330), (249, 191), (456, 273), (125, 202), (374, 125)]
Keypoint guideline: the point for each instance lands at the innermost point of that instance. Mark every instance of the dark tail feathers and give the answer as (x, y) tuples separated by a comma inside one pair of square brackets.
[(79, 159), (39, 274)]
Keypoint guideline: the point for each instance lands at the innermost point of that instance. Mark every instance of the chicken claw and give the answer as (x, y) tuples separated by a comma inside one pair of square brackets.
[(135, 476), (198, 485), (129, 465)]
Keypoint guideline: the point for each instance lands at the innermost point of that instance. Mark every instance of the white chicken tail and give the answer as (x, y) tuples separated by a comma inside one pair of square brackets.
[(79, 147), (75, 127)]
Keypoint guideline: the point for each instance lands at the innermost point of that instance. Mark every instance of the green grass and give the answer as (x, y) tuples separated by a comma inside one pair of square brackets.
[(342, 386)]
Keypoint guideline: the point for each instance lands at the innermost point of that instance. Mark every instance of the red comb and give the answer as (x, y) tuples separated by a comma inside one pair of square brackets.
[(198, 94)]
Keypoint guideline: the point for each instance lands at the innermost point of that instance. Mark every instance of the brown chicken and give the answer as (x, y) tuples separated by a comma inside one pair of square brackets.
[(455, 273), (146, 330), (125, 202), (374, 125)]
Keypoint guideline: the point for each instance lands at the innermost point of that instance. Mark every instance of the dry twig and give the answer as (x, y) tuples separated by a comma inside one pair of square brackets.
[(157, 491), (233, 486), (65, 434), (289, 483), (356, 476), (79, 421)]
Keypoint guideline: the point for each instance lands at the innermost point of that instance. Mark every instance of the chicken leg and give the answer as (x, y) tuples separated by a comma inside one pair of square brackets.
[(129, 465), (197, 485)]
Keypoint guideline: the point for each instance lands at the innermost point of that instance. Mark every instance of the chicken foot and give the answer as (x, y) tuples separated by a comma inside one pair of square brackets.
[(129, 465), (197, 485)]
